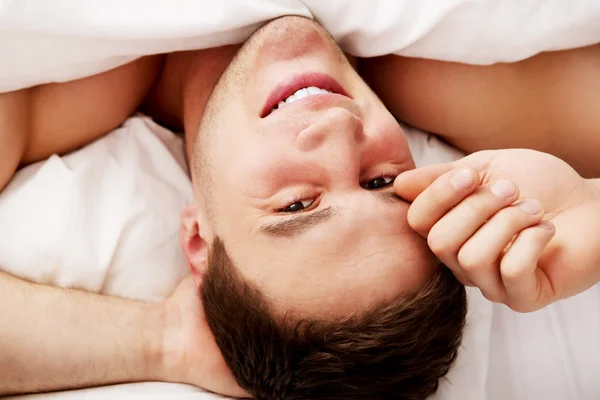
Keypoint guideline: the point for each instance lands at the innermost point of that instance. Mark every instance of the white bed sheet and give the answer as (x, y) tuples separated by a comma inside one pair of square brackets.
[(124, 194)]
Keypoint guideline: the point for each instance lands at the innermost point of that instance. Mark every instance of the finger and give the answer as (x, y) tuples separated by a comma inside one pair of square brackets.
[(479, 256), (452, 231), (440, 197), (411, 184), (522, 278)]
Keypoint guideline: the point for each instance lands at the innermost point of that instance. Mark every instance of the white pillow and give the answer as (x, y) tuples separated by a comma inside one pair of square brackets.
[(103, 219), (57, 40)]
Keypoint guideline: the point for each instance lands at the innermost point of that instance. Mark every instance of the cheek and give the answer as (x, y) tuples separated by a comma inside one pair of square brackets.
[(390, 140), (414, 253), (393, 134), (258, 167)]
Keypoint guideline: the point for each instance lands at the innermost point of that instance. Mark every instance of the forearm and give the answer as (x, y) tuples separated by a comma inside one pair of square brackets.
[(52, 338)]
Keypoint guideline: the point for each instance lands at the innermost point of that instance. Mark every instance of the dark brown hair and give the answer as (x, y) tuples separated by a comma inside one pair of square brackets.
[(395, 350)]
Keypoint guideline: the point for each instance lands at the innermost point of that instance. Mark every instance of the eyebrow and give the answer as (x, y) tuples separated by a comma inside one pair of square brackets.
[(296, 225)]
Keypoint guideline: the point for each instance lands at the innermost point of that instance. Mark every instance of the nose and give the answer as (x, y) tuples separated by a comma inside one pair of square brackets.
[(335, 142), (337, 128)]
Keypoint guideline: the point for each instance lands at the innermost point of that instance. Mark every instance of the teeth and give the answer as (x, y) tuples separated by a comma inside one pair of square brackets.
[(290, 99), (300, 94)]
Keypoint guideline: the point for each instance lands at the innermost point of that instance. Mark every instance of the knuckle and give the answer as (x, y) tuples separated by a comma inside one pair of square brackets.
[(510, 274), (521, 307), (415, 221), (509, 270), (435, 243), (438, 244), (493, 297), (469, 260)]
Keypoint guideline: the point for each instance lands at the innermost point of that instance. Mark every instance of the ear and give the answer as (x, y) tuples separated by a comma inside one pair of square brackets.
[(194, 245)]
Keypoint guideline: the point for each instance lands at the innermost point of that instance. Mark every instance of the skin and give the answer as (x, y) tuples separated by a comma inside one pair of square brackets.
[(546, 103), (324, 151), (170, 341), (520, 225)]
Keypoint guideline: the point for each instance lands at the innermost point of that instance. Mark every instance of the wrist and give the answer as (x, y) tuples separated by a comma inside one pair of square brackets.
[(153, 337), (164, 348), (594, 184)]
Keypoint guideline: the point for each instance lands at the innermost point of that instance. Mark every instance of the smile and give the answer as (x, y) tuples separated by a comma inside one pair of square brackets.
[(300, 94), (299, 87)]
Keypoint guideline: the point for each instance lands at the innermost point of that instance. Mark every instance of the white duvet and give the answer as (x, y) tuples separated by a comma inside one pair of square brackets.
[(56, 40), (106, 219)]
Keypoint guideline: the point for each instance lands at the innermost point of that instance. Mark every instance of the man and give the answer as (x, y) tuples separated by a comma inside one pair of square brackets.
[(336, 151), (296, 238)]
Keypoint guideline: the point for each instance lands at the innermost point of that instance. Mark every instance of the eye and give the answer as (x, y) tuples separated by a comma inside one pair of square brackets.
[(297, 206), (378, 183)]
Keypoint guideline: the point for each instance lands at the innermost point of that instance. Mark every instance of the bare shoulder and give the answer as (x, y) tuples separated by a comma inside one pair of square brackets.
[(65, 116), (60, 117), (547, 102)]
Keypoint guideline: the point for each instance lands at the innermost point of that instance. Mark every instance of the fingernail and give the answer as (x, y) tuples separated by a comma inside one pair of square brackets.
[(462, 179), (531, 207), (547, 225), (504, 188)]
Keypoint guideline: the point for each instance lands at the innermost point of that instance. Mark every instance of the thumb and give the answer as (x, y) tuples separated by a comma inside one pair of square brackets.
[(410, 184)]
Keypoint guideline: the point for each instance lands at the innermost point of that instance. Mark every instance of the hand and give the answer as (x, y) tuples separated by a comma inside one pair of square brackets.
[(525, 229), (191, 354)]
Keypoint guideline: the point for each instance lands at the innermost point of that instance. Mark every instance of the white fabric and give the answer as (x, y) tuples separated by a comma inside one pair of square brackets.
[(106, 219), (56, 40), (103, 219), (143, 390)]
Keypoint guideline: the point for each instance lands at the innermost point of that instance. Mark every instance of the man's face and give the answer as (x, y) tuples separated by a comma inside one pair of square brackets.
[(300, 190)]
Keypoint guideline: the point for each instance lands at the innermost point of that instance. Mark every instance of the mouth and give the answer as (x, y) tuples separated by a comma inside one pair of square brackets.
[(299, 87)]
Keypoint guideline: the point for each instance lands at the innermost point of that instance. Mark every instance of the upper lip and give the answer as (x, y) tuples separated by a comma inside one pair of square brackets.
[(297, 82)]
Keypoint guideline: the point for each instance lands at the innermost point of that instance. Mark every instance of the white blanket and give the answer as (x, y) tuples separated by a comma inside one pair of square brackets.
[(56, 40), (105, 219)]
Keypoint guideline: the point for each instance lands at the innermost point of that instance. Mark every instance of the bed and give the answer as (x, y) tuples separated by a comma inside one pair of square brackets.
[(109, 219)]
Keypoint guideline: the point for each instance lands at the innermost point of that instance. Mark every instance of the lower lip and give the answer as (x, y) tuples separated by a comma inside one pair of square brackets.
[(289, 87)]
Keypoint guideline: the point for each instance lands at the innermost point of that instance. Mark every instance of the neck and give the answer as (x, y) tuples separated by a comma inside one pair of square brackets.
[(205, 70), (165, 101), (186, 82)]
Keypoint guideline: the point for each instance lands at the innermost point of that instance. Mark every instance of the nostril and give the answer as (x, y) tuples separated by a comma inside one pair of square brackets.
[(311, 137), (348, 124)]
